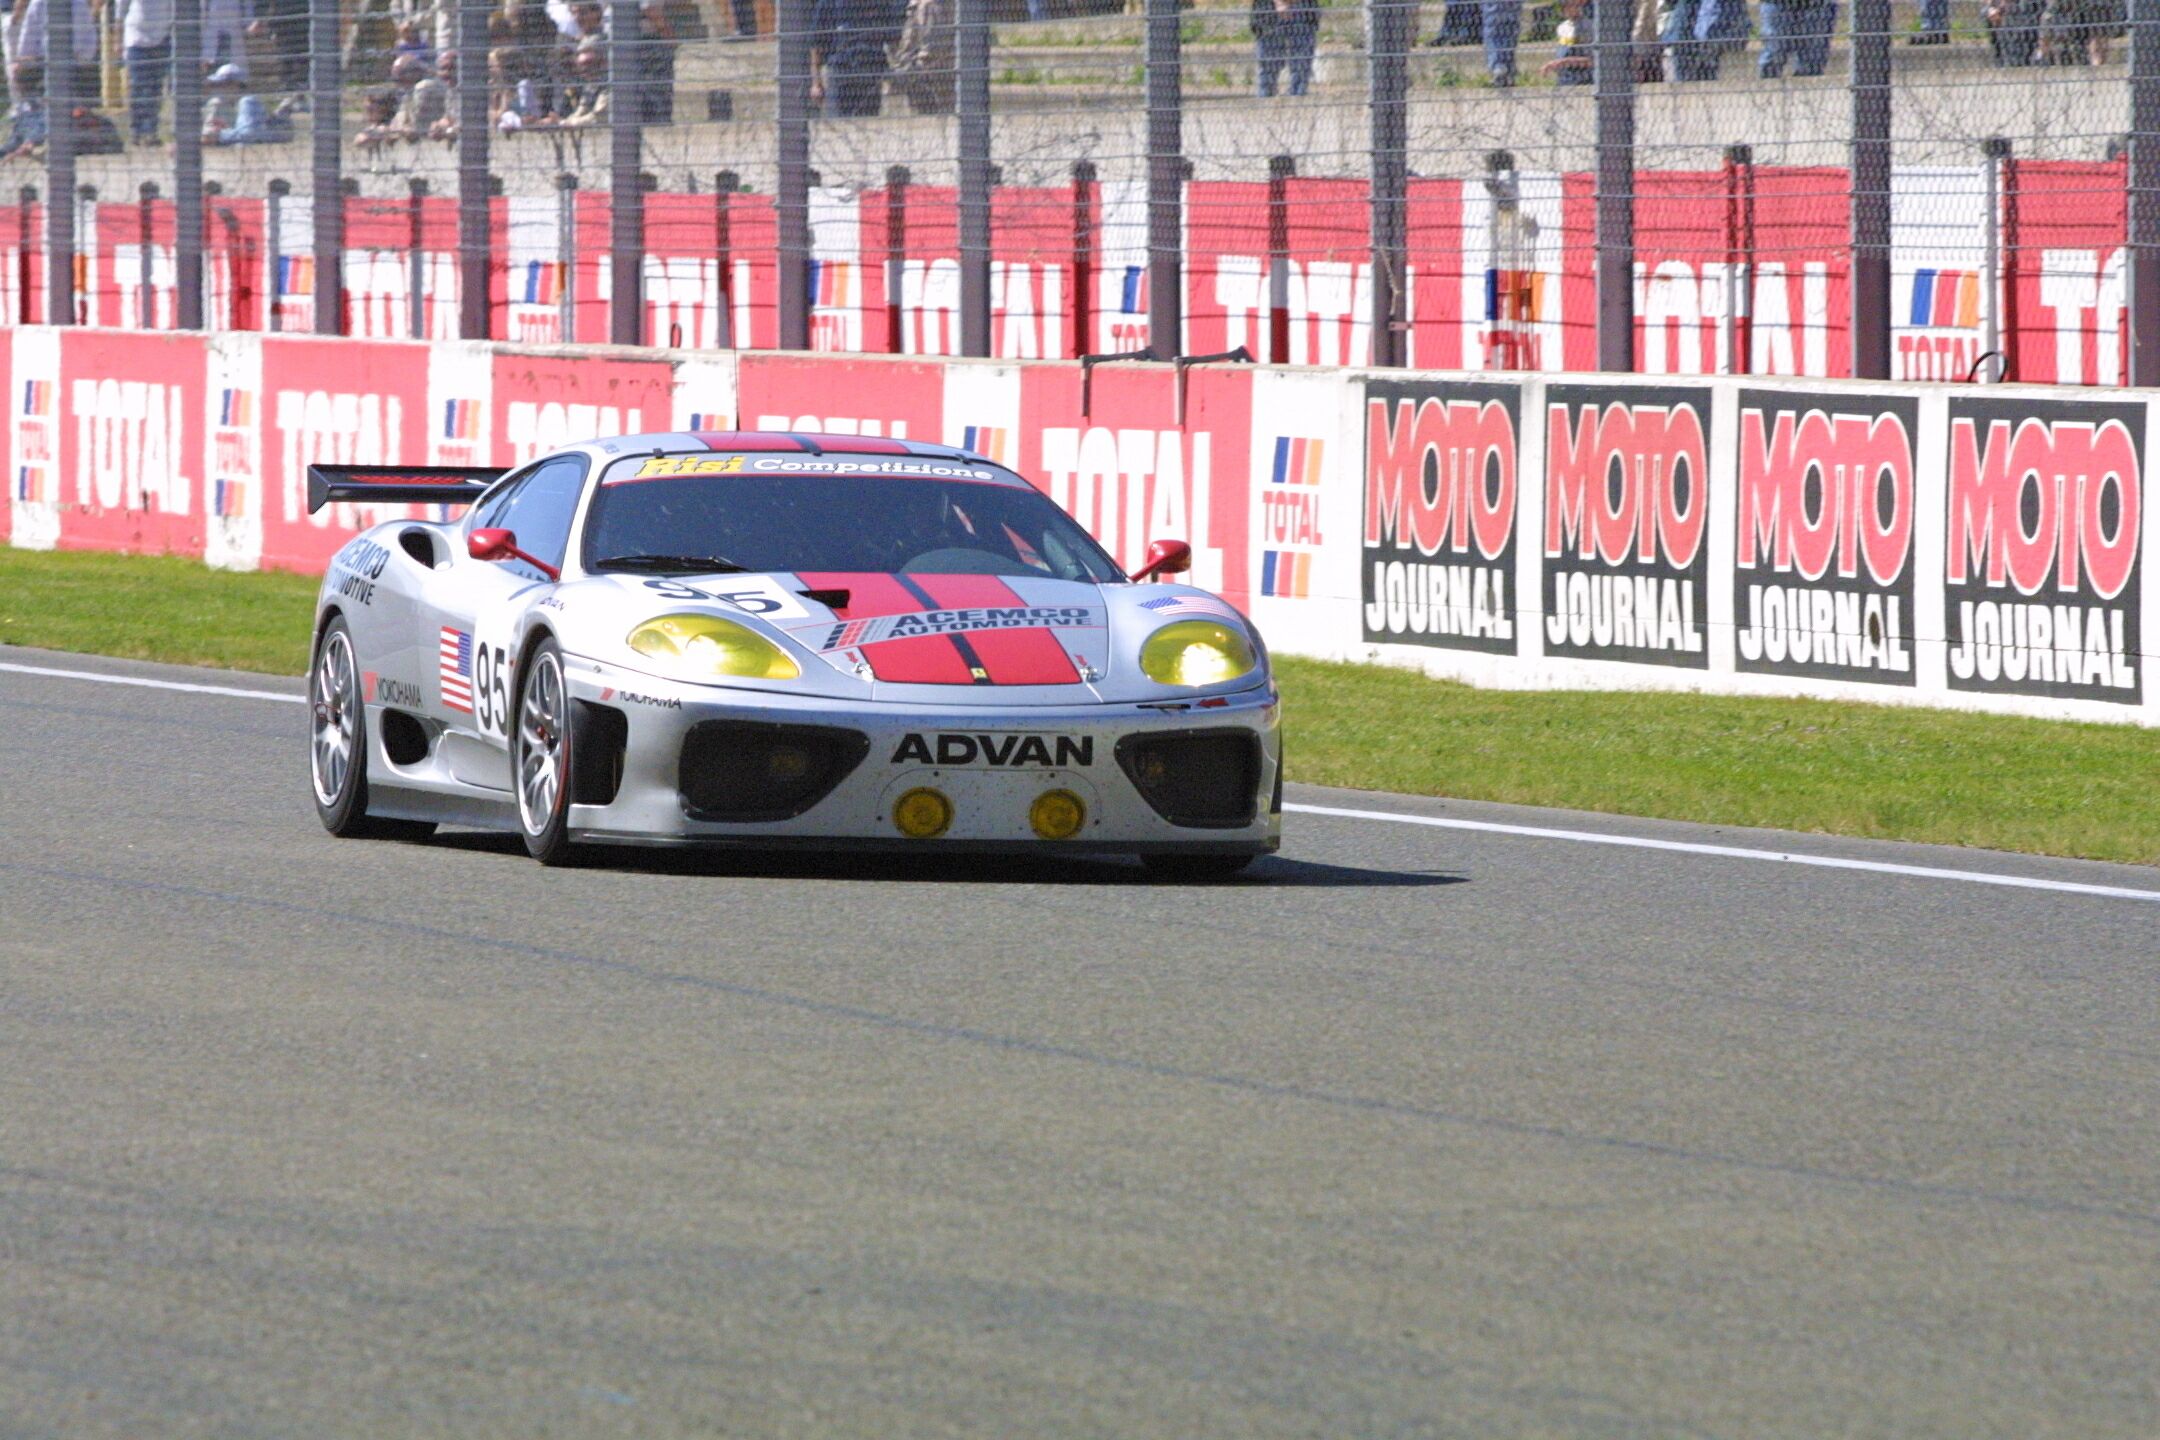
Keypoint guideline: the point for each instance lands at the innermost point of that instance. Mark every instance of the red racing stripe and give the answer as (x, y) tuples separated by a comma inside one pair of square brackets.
[(1011, 657), (917, 660)]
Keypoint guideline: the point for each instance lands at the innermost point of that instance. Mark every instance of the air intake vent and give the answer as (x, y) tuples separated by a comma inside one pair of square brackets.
[(1203, 779), (744, 771)]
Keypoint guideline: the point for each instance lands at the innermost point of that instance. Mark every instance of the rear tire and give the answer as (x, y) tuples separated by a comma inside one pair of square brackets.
[(541, 756), (1195, 869), (338, 745)]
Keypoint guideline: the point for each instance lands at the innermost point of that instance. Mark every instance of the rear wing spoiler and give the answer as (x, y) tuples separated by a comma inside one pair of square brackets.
[(386, 484)]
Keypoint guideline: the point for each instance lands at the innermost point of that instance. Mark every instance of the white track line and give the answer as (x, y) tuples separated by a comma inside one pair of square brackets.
[(1734, 852), (104, 679), (1435, 822)]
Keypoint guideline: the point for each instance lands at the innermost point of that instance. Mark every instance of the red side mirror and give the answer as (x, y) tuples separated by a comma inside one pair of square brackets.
[(1165, 557), (488, 543)]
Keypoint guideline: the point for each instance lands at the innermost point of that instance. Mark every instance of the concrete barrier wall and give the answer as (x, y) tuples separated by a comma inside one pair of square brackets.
[(1940, 545)]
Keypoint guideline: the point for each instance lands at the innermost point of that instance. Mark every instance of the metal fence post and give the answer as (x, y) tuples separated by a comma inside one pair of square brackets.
[(326, 180), (566, 187), (626, 196), (1083, 256), (972, 104), (791, 198), (274, 253), (1389, 68), (60, 101), (1613, 73), (187, 166), (146, 277), (416, 191), (475, 233), (1165, 179), (1277, 352), (725, 184), (1995, 154), (896, 188), (1871, 190), (26, 286), (2144, 192)]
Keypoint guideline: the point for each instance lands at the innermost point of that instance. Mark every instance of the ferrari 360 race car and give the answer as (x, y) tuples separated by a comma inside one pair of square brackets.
[(779, 639)]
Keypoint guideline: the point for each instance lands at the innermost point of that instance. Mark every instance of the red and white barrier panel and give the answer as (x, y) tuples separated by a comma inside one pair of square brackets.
[(1740, 271), (1948, 545)]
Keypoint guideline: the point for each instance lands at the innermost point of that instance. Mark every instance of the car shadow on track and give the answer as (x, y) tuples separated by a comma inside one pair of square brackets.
[(941, 869)]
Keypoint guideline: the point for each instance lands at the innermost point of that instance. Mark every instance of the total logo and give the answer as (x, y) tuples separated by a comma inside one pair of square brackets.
[(1128, 485), (130, 445), (337, 428), (535, 427)]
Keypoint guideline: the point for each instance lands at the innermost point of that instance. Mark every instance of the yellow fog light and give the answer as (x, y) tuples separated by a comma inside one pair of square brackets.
[(1196, 652), (1057, 815), (922, 814), (711, 646)]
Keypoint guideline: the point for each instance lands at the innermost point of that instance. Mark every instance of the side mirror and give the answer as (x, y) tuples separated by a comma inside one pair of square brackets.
[(488, 543), (1164, 557)]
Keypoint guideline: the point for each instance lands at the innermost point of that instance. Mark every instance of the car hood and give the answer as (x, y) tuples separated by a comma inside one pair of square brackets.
[(910, 637)]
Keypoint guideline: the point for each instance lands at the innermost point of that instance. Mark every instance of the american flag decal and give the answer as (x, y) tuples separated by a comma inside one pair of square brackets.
[(1167, 605), (456, 669)]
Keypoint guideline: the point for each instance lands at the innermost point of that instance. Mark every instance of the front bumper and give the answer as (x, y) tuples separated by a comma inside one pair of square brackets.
[(1008, 758)]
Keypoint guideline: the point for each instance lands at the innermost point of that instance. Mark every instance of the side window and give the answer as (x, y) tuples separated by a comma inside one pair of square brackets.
[(543, 507), (487, 515)]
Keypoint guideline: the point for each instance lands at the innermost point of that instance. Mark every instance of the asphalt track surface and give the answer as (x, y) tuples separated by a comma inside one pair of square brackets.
[(1418, 1132)]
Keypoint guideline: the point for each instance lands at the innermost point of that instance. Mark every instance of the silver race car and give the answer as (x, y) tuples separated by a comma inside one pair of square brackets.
[(779, 639)]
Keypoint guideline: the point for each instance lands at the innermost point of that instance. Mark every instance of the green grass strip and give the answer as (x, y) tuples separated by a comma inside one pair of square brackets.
[(1948, 777), (155, 607)]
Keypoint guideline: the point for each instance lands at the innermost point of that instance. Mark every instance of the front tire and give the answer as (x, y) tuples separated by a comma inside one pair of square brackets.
[(1195, 869), (541, 757), (338, 745)]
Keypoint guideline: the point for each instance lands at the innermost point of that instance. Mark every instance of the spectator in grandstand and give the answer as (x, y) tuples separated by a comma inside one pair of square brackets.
[(27, 128), (277, 43), (426, 98), (146, 47), (410, 44), (583, 103), (1502, 20), (1285, 32), (223, 36), (653, 64), (1934, 24), (1799, 31), (2014, 30), (925, 61), (2076, 32), (378, 117), (849, 40), (27, 22), (1698, 33), (1575, 64)]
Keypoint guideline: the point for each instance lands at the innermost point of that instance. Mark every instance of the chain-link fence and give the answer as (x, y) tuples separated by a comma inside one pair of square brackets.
[(1961, 189)]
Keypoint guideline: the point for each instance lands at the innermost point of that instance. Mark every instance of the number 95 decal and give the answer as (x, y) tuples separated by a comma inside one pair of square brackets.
[(491, 688)]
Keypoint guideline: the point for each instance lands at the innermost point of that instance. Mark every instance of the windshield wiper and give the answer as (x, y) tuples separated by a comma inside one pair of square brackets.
[(688, 564)]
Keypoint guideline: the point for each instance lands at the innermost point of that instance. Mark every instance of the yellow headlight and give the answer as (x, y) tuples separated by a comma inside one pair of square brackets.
[(1196, 652), (708, 645)]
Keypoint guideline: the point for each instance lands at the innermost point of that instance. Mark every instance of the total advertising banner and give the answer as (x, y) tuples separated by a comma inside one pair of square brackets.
[(1955, 545)]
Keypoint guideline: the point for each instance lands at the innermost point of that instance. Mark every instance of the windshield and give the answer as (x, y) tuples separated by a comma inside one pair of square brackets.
[(835, 522)]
